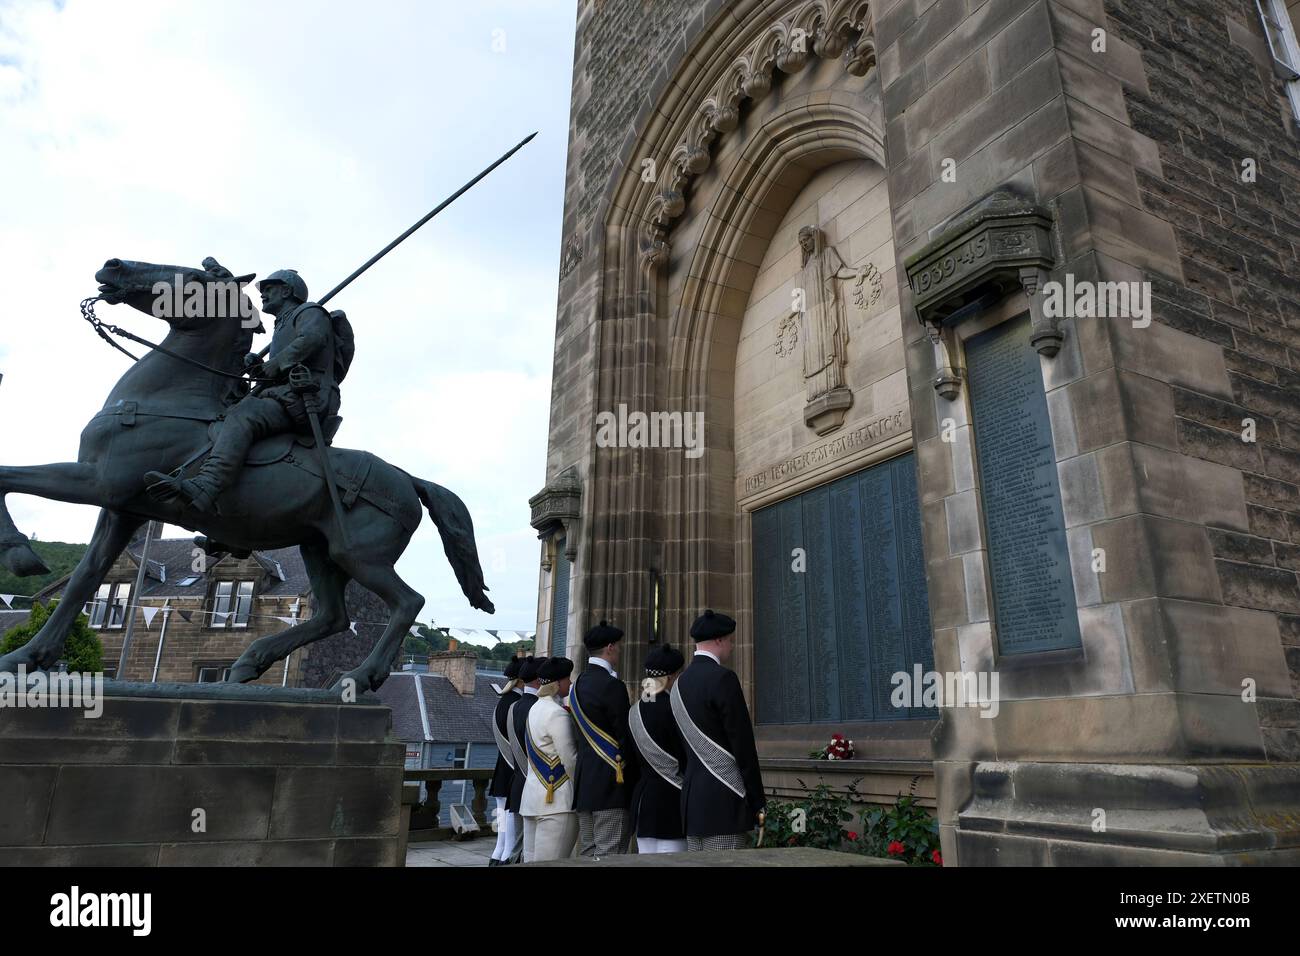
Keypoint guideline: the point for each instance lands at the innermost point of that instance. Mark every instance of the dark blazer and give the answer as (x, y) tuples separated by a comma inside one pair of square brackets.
[(503, 775), (656, 803), (604, 701), (716, 703), (525, 704)]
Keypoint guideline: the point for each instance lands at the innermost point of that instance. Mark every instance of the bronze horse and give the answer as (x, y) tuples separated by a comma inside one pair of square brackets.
[(158, 417)]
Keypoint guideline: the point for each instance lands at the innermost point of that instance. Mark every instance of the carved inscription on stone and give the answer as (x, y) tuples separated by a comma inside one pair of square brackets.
[(867, 434), (1033, 591)]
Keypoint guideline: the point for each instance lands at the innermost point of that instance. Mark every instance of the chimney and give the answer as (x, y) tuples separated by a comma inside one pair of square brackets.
[(458, 667)]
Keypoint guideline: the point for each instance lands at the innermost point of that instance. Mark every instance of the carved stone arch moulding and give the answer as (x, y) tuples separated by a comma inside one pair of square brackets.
[(786, 38)]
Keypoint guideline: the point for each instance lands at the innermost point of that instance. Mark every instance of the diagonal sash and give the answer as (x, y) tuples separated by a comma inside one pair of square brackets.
[(521, 760), (660, 760), (503, 745), (717, 760), (605, 746), (550, 770)]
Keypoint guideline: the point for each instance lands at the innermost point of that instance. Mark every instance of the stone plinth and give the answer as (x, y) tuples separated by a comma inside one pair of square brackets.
[(174, 774), (1059, 814)]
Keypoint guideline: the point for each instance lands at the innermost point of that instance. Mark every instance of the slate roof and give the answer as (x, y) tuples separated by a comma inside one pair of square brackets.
[(9, 619), (451, 717), (170, 561)]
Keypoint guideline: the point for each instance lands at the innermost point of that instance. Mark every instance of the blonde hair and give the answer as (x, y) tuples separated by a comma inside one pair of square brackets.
[(652, 687), (549, 690)]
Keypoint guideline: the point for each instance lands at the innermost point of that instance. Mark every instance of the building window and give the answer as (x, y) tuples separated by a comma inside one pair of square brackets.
[(232, 603), (1282, 44), (212, 673), (109, 607)]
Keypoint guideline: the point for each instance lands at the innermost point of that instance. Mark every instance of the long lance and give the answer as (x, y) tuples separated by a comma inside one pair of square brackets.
[(404, 236)]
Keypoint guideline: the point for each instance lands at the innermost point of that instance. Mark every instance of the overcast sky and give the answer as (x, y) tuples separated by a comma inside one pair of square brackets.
[(302, 135)]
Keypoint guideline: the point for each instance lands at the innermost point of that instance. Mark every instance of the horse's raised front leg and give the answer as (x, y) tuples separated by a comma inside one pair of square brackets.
[(67, 481), (112, 533)]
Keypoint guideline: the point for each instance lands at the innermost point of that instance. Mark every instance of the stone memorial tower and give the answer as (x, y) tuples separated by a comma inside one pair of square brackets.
[(991, 313)]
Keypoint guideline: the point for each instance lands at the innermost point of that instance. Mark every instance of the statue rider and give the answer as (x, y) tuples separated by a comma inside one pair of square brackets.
[(304, 335)]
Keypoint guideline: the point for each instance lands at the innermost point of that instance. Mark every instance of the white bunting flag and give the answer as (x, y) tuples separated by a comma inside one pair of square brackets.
[(8, 599), (353, 627), (149, 614), (286, 620), (219, 617)]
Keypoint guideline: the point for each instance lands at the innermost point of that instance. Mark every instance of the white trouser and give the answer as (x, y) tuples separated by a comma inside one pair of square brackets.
[(655, 845), (553, 836), (506, 823)]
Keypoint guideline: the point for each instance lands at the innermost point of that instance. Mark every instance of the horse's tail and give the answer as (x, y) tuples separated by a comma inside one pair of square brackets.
[(452, 519)]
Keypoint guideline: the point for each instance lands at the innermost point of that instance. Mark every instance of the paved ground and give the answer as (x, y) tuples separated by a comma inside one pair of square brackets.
[(451, 852), (477, 852)]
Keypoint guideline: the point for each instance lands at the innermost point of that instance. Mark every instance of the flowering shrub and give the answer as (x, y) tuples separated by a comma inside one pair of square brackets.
[(904, 831), (838, 749)]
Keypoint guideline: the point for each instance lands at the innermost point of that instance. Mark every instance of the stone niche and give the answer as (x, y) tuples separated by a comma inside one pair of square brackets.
[(175, 775)]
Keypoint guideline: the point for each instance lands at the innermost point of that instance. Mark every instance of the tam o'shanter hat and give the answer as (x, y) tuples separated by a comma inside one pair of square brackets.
[(602, 635), (528, 669), (555, 669), (512, 669), (711, 625), (664, 660)]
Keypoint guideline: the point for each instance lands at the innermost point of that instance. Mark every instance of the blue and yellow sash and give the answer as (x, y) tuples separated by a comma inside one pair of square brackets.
[(606, 747), (550, 771)]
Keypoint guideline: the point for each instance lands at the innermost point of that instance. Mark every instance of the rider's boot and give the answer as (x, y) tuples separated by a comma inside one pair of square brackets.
[(215, 474)]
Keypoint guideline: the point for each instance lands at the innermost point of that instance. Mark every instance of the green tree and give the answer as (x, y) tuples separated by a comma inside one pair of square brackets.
[(83, 651)]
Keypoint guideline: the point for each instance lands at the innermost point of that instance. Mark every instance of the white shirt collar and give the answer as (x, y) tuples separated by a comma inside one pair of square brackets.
[(530, 690), (603, 663), (713, 657)]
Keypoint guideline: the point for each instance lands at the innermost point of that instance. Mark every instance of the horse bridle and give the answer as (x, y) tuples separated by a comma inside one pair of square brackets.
[(103, 329)]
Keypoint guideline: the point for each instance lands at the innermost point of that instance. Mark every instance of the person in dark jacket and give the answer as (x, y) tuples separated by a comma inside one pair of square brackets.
[(517, 726), (506, 823), (661, 756), (604, 782), (722, 789)]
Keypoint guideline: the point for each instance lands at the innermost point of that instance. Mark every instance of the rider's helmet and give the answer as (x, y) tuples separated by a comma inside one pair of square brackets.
[(290, 278)]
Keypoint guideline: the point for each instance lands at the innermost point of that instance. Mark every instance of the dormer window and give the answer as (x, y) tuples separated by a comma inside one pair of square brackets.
[(109, 607), (232, 603)]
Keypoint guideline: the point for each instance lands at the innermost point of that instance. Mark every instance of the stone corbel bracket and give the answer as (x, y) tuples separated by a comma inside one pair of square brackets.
[(558, 507), (1004, 243)]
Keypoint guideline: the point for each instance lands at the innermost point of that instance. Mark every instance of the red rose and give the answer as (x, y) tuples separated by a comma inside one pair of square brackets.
[(937, 858), (851, 835), (896, 849)]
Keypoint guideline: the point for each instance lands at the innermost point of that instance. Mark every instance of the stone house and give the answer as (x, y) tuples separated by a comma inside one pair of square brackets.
[(196, 614)]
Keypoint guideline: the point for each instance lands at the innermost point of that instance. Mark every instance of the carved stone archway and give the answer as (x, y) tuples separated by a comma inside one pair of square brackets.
[(655, 517)]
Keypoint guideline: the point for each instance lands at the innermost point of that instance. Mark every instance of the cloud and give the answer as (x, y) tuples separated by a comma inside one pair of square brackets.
[(303, 135)]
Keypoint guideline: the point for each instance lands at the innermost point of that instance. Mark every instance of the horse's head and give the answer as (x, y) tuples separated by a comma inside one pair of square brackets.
[(182, 296)]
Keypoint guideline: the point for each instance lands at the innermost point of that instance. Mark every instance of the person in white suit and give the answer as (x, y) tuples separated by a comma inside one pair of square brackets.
[(552, 753)]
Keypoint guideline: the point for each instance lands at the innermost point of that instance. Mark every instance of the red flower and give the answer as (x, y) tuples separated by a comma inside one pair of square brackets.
[(790, 842), (937, 858), (896, 849), (851, 835)]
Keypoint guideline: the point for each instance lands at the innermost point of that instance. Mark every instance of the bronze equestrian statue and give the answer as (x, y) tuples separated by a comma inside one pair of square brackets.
[(262, 483)]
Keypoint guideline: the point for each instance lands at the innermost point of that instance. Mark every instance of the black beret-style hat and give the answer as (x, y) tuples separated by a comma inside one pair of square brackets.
[(663, 660), (710, 625), (602, 635), (528, 670), (512, 669), (555, 668)]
